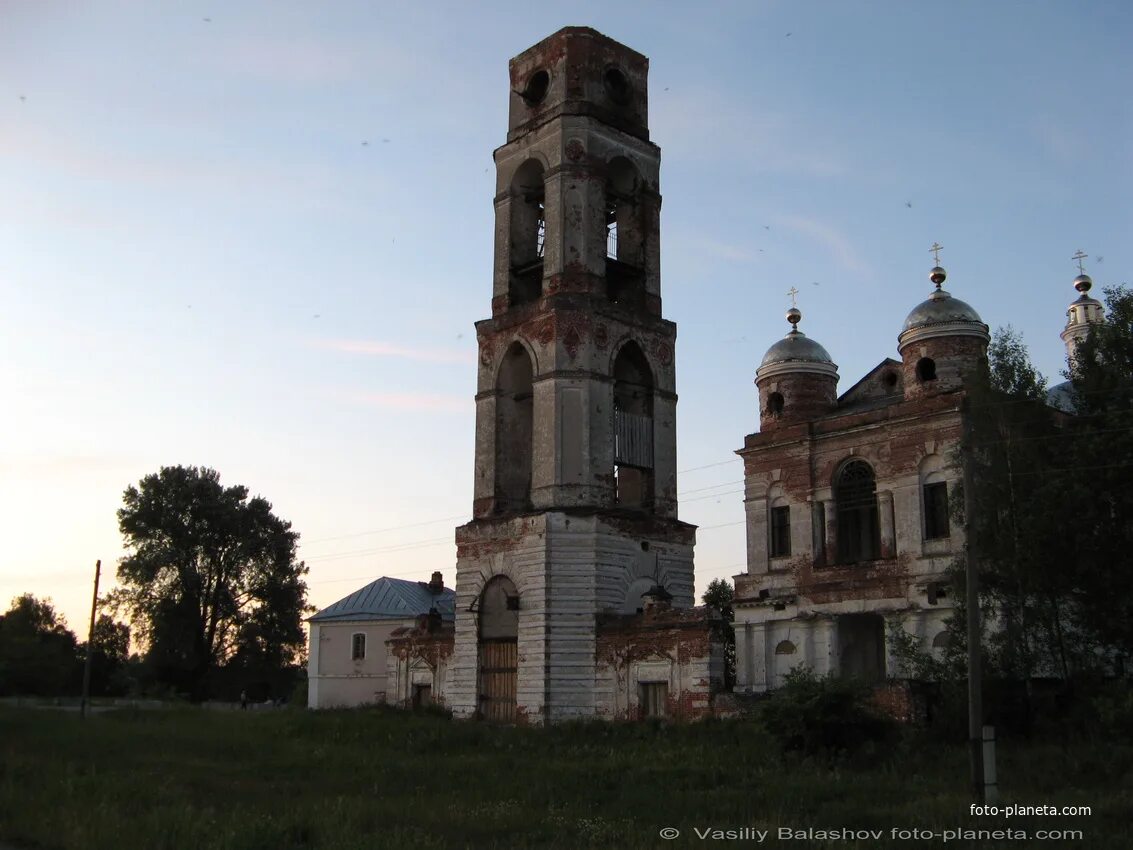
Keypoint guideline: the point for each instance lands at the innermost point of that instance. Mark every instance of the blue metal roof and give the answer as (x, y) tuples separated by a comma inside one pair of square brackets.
[(390, 599)]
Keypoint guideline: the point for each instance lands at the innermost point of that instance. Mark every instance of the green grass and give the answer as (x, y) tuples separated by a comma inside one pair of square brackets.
[(181, 779)]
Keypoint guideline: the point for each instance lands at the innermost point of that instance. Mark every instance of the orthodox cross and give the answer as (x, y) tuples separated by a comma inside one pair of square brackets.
[(794, 296), (936, 249), (1079, 257)]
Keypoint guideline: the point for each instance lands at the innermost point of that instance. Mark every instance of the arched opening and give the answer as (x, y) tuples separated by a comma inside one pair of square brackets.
[(633, 428), (536, 88), (775, 403), (514, 431), (617, 86), (859, 532), (625, 244), (498, 608), (528, 234), (785, 647), (926, 369)]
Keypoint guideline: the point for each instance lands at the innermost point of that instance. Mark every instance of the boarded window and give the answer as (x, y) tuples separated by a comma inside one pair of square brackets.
[(781, 531), (654, 696), (358, 647), (936, 511)]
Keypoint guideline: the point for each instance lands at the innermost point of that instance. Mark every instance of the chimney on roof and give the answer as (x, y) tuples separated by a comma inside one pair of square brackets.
[(436, 583)]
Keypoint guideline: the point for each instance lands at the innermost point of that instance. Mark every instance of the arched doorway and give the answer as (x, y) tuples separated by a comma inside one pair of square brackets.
[(498, 655)]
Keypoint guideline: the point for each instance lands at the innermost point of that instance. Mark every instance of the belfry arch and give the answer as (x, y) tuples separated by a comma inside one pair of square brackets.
[(514, 430), (528, 233), (633, 428)]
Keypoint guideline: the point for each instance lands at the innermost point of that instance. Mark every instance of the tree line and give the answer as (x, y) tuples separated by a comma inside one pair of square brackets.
[(211, 587)]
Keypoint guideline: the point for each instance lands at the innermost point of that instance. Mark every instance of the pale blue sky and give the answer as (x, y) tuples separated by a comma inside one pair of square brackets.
[(202, 263)]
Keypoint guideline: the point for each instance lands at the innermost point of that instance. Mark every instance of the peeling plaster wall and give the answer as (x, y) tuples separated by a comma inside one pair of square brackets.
[(566, 568), (800, 597)]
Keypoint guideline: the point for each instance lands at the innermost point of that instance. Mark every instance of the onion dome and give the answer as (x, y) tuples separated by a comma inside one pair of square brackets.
[(796, 352), (941, 315)]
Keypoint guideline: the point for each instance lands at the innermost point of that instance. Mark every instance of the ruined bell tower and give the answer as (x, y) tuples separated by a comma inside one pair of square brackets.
[(575, 502)]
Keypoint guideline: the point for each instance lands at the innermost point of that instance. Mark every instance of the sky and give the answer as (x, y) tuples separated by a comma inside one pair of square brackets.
[(255, 236)]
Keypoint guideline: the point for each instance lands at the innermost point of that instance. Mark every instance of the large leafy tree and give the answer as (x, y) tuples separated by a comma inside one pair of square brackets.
[(1052, 512), (38, 653), (1098, 498), (210, 574)]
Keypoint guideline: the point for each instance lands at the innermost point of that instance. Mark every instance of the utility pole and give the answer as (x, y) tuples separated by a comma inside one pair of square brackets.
[(972, 600), (90, 642)]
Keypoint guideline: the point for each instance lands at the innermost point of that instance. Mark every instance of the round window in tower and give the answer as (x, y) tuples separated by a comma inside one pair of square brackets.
[(617, 86), (775, 403), (926, 369), (536, 88)]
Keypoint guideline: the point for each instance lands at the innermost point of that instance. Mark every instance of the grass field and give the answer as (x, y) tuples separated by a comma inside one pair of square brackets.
[(182, 779)]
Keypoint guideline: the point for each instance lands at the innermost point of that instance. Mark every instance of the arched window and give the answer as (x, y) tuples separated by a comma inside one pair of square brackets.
[(358, 646), (785, 647), (926, 369), (528, 231), (859, 533), (778, 523), (775, 403), (934, 498), (633, 428), (514, 433), (625, 244)]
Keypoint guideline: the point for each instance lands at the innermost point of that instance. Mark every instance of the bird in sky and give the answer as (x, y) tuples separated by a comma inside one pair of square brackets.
[(909, 204), (207, 20)]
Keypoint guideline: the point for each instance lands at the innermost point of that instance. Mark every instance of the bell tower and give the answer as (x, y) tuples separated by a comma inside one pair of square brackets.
[(575, 495)]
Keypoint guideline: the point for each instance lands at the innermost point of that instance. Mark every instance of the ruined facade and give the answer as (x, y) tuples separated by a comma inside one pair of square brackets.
[(575, 495), (846, 498)]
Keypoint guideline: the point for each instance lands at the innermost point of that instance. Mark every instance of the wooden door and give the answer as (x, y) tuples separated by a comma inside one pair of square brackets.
[(498, 676)]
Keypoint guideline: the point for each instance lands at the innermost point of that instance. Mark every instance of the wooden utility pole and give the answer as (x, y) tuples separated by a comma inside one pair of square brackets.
[(90, 642), (972, 600)]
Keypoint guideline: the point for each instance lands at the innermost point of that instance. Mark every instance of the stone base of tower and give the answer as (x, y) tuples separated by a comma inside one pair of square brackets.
[(568, 569)]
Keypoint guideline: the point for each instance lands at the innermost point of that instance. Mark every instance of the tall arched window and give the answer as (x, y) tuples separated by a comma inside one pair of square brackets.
[(625, 244), (859, 533), (528, 230), (633, 427), (514, 417)]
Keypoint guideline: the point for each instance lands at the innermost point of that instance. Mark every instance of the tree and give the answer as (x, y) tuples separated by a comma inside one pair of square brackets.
[(1097, 488), (110, 658), (38, 653), (210, 574), (1052, 512), (720, 594)]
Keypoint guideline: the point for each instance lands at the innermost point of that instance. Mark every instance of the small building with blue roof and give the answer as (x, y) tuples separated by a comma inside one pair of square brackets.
[(347, 657)]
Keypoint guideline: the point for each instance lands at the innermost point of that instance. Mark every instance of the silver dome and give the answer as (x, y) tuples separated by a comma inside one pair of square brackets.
[(941, 308), (795, 346)]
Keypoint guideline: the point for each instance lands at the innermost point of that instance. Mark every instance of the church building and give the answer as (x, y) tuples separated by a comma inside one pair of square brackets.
[(846, 498), (574, 577)]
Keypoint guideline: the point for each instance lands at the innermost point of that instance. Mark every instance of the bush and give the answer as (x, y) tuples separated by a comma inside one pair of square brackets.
[(823, 716)]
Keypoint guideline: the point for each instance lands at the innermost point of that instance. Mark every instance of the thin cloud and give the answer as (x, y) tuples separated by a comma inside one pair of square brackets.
[(377, 348), (417, 402), (835, 241)]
